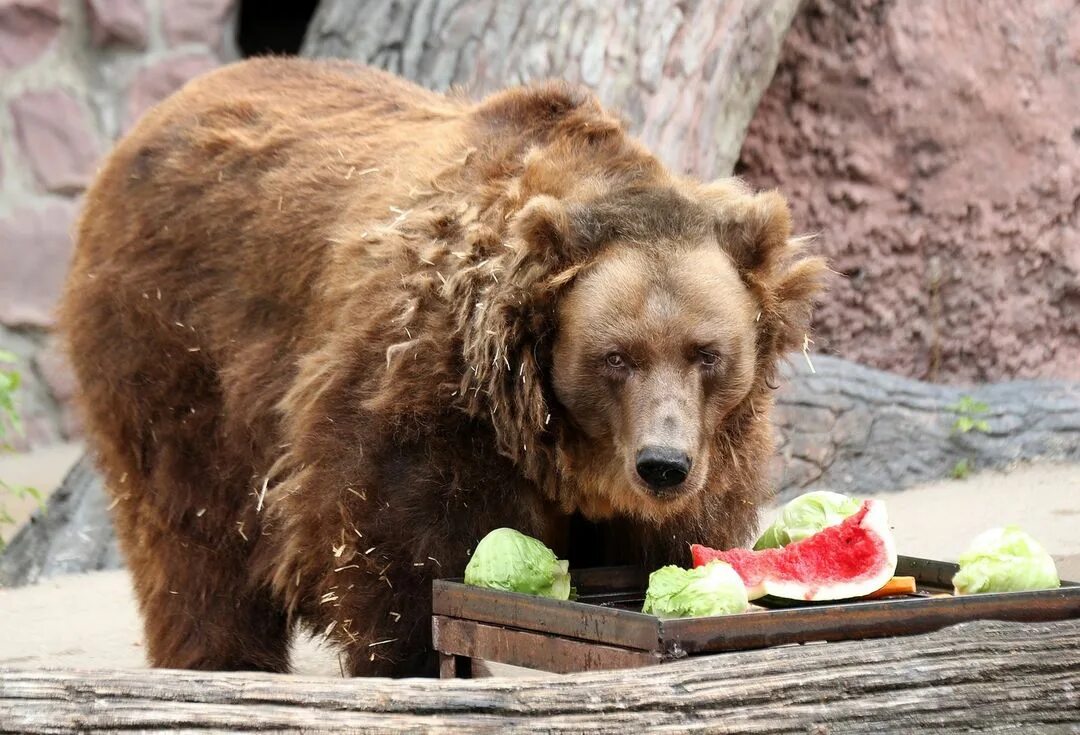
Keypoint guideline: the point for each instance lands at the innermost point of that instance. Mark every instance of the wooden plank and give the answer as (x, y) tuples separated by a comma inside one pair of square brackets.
[(877, 619), (985, 677), (599, 580), (615, 627), (532, 650), (446, 666), (586, 620), (927, 572)]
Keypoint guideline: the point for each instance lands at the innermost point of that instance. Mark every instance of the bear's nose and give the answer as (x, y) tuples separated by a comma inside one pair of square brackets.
[(662, 467)]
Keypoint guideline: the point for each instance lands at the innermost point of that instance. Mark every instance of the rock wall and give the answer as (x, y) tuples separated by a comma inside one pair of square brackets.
[(75, 74), (935, 146)]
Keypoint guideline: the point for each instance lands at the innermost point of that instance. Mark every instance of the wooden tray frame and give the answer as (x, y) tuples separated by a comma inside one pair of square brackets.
[(589, 634)]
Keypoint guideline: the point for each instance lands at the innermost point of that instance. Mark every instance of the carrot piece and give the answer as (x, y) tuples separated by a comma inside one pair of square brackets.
[(895, 586)]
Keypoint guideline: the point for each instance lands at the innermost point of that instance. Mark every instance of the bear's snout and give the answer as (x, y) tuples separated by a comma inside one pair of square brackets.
[(663, 468)]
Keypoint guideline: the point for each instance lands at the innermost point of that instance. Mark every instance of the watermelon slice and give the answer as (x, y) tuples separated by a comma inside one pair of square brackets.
[(851, 559)]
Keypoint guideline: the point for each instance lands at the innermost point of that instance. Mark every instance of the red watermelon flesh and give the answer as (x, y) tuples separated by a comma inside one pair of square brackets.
[(848, 560)]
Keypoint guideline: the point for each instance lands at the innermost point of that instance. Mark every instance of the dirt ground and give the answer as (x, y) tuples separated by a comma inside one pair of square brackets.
[(90, 620)]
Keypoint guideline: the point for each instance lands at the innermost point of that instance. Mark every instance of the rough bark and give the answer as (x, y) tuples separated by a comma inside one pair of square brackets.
[(688, 75), (985, 676), (844, 427), (855, 429)]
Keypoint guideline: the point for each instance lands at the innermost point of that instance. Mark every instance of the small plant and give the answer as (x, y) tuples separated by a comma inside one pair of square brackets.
[(10, 424), (968, 419), (967, 411), (961, 469)]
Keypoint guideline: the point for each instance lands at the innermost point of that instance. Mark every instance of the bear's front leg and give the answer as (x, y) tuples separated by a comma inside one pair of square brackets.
[(359, 542)]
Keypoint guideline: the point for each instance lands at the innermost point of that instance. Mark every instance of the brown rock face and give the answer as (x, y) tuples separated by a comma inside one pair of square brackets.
[(27, 27), (35, 246), (56, 139), (118, 21), (936, 149)]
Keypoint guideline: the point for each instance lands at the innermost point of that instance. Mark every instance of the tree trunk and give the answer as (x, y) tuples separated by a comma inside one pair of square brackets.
[(688, 75), (985, 676)]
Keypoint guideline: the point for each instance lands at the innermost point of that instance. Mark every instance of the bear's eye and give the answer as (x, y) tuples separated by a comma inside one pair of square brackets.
[(615, 361), (708, 358)]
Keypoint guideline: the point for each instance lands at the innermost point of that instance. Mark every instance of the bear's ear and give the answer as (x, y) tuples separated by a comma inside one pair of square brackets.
[(555, 235), (755, 231), (543, 225), (751, 228)]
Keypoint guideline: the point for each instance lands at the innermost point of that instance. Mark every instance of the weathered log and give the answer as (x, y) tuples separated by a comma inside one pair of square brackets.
[(855, 429), (688, 75), (985, 676), (846, 427)]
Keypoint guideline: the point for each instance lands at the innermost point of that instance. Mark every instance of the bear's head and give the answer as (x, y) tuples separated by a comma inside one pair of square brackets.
[(641, 329)]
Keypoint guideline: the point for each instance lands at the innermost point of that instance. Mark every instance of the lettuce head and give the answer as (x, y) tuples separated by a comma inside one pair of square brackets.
[(806, 515), (508, 560), (1005, 560), (713, 589)]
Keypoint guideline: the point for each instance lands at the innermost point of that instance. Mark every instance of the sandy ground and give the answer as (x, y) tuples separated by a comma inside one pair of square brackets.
[(90, 620)]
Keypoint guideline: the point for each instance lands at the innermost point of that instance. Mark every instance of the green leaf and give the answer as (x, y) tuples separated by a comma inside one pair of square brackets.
[(806, 515), (963, 424), (960, 470), (6, 356), (969, 406), (1005, 560), (982, 425), (508, 560), (713, 589)]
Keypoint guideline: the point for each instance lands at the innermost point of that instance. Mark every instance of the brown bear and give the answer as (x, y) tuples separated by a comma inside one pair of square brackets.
[(331, 328)]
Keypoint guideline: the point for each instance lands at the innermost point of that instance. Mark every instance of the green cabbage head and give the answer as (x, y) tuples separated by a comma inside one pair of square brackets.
[(806, 515), (713, 589), (1005, 560), (511, 561)]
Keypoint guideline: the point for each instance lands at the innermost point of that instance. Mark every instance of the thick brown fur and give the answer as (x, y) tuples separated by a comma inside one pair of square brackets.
[(313, 311)]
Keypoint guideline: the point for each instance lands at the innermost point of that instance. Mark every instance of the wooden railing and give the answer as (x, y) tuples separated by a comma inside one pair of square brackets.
[(984, 676)]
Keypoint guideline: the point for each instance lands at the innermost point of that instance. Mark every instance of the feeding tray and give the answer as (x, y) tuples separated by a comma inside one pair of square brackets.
[(604, 628)]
